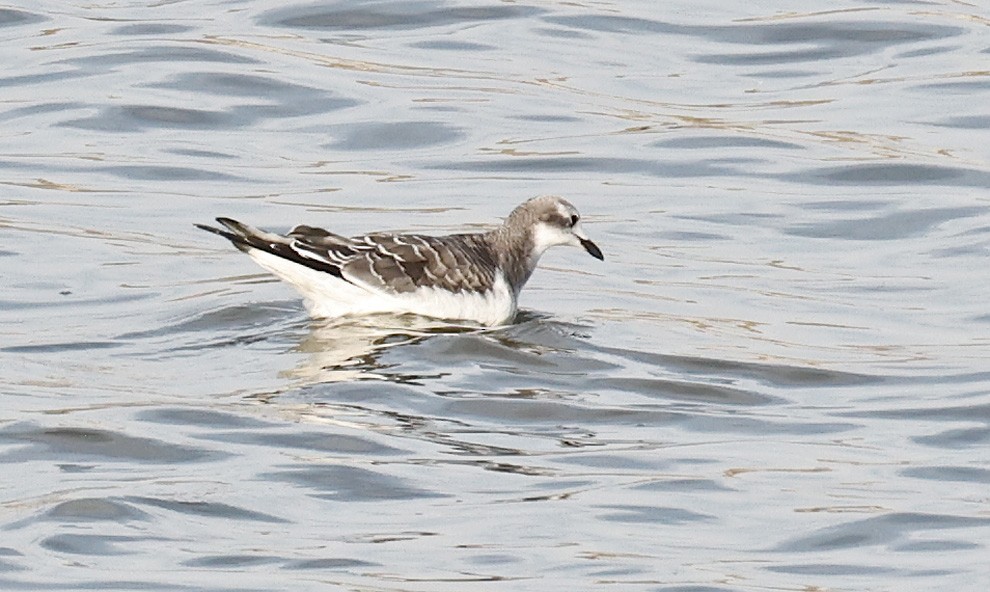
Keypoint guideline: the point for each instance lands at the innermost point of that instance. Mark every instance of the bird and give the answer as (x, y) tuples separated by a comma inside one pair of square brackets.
[(473, 277)]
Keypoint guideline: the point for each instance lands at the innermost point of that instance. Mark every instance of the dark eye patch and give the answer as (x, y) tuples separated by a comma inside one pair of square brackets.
[(556, 219)]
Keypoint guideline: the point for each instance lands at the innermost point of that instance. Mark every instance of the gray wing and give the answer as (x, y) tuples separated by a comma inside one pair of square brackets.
[(397, 263), (401, 263), (406, 262)]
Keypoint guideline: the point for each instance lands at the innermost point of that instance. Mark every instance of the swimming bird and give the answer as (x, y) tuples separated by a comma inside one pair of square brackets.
[(473, 277)]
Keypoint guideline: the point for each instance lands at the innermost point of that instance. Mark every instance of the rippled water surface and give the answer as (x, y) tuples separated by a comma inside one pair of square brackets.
[(779, 378)]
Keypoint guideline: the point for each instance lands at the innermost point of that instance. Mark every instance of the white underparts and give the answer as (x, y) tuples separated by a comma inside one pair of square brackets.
[(329, 296)]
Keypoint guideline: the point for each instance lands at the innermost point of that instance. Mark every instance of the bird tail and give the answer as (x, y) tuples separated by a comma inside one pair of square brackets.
[(245, 237)]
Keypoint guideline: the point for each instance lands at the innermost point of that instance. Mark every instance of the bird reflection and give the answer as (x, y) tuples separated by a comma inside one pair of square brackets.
[(349, 349)]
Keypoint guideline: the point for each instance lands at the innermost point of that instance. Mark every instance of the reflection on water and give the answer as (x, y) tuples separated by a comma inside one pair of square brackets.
[(349, 348), (779, 381)]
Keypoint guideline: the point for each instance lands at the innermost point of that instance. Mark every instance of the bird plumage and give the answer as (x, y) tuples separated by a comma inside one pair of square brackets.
[(473, 277)]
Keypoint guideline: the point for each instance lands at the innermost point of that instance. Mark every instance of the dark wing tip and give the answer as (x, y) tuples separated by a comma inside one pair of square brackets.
[(246, 238), (209, 228), (238, 240)]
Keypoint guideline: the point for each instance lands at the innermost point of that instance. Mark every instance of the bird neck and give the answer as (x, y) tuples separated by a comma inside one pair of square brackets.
[(515, 253)]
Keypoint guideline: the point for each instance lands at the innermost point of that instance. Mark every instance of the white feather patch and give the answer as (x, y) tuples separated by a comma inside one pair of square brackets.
[(329, 296)]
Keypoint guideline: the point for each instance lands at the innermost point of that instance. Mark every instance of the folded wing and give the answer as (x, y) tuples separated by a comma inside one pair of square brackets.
[(380, 262)]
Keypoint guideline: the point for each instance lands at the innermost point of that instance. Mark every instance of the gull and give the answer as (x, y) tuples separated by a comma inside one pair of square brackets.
[(473, 277)]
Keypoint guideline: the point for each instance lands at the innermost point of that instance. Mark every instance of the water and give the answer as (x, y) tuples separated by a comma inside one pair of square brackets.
[(777, 380)]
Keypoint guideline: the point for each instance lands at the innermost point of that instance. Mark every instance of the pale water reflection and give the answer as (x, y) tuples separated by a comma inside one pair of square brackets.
[(348, 348), (779, 380)]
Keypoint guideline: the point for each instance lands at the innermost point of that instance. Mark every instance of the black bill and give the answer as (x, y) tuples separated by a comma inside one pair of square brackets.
[(592, 249)]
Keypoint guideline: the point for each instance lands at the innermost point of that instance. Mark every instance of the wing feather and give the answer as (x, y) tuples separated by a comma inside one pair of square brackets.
[(404, 263), (380, 262)]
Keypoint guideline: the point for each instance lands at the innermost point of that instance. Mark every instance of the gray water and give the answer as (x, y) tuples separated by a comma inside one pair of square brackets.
[(779, 378)]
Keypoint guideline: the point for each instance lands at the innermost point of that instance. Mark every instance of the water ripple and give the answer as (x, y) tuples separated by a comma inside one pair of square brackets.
[(777, 380)]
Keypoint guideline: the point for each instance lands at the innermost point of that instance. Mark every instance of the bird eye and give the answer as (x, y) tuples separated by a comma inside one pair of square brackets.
[(574, 219)]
